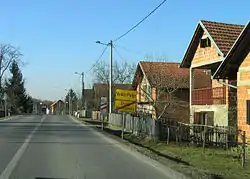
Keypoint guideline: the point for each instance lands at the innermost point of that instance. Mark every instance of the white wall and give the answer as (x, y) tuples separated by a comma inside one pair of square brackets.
[(220, 113)]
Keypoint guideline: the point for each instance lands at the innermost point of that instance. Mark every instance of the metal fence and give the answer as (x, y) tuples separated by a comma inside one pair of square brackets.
[(141, 126)]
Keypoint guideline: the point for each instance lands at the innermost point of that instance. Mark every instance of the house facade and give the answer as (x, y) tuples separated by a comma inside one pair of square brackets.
[(57, 108), (215, 103), (163, 90), (236, 66)]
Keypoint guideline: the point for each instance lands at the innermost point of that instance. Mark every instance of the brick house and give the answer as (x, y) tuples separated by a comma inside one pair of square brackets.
[(216, 103), (161, 84), (236, 66)]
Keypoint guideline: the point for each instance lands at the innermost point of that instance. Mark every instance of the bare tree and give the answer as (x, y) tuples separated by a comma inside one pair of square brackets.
[(123, 72), (8, 54), (170, 86)]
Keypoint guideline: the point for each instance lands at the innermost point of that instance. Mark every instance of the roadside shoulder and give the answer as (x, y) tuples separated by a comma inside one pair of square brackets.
[(134, 150)]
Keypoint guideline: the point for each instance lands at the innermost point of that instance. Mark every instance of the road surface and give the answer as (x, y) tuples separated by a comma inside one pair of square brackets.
[(58, 147)]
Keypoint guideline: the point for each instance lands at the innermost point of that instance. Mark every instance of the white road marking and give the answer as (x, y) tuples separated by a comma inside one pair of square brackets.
[(12, 164), (168, 172)]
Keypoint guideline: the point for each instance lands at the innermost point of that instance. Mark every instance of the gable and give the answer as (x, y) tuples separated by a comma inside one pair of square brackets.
[(222, 36), (207, 55), (236, 57)]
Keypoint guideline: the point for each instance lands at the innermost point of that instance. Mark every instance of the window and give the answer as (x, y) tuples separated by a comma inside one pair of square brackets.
[(248, 112), (206, 42)]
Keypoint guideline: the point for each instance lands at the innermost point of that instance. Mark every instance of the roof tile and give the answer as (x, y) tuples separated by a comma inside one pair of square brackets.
[(223, 34), (168, 73)]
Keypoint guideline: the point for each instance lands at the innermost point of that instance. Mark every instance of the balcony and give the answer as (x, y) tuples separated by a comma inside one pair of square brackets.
[(209, 96)]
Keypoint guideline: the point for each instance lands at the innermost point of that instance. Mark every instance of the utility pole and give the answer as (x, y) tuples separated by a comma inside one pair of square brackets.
[(110, 73), (82, 85), (83, 97), (69, 104), (110, 78)]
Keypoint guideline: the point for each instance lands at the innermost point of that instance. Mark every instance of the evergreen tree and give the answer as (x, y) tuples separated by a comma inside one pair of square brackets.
[(72, 98), (17, 98)]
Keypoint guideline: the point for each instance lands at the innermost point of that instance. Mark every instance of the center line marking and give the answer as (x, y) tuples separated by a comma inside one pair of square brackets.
[(12, 164)]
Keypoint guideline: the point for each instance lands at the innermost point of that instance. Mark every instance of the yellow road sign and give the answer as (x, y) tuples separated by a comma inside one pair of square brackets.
[(125, 106), (125, 95)]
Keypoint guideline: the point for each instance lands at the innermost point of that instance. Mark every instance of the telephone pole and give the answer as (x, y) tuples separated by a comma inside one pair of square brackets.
[(110, 77), (82, 94), (110, 73)]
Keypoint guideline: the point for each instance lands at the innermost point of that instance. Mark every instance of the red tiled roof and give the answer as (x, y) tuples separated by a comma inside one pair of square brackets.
[(169, 74), (223, 34)]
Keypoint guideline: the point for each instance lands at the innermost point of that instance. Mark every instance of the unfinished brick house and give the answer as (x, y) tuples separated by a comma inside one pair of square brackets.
[(216, 103), (163, 90), (236, 66)]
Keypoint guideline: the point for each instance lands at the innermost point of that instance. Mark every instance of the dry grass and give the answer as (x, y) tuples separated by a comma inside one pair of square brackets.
[(219, 161)]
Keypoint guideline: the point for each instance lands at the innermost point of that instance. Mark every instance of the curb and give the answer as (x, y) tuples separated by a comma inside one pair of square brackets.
[(169, 172), (9, 118)]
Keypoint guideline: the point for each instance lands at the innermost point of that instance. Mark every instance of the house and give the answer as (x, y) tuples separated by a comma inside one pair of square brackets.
[(236, 66), (163, 90), (215, 104), (102, 90), (57, 108)]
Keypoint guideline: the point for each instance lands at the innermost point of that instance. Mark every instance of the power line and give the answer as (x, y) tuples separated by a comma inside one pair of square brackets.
[(118, 38), (99, 58), (118, 53), (126, 49)]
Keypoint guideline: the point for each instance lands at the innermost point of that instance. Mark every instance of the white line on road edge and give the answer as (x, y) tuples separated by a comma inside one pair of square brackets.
[(12, 164), (168, 172)]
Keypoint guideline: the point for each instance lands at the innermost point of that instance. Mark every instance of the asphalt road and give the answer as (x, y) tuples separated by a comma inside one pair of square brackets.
[(58, 147)]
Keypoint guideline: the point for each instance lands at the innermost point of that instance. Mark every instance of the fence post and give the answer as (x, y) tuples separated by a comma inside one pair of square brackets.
[(123, 116), (216, 135), (133, 125), (102, 116), (204, 132), (168, 136), (226, 137), (244, 149), (204, 140), (176, 134), (180, 134)]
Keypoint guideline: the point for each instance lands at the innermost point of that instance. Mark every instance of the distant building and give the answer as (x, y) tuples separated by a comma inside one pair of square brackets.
[(57, 108)]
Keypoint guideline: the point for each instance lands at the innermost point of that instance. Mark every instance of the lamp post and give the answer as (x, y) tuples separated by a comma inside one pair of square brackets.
[(69, 101), (110, 73), (82, 94)]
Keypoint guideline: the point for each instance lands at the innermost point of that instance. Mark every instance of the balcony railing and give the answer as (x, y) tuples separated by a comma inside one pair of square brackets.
[(209, 96)]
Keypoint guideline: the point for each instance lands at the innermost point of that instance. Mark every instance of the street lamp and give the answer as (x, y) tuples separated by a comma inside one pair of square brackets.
[(82, 95), (69, 100), (110, 73)]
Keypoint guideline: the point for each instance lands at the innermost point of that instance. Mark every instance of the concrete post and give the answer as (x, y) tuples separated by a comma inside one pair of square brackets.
[(191, 87)]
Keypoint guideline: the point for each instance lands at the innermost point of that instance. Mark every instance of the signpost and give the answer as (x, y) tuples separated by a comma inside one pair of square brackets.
[(103, 109), (125, 100)]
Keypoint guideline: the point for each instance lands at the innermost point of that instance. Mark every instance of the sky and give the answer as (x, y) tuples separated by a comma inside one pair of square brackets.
[(57, 37)]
